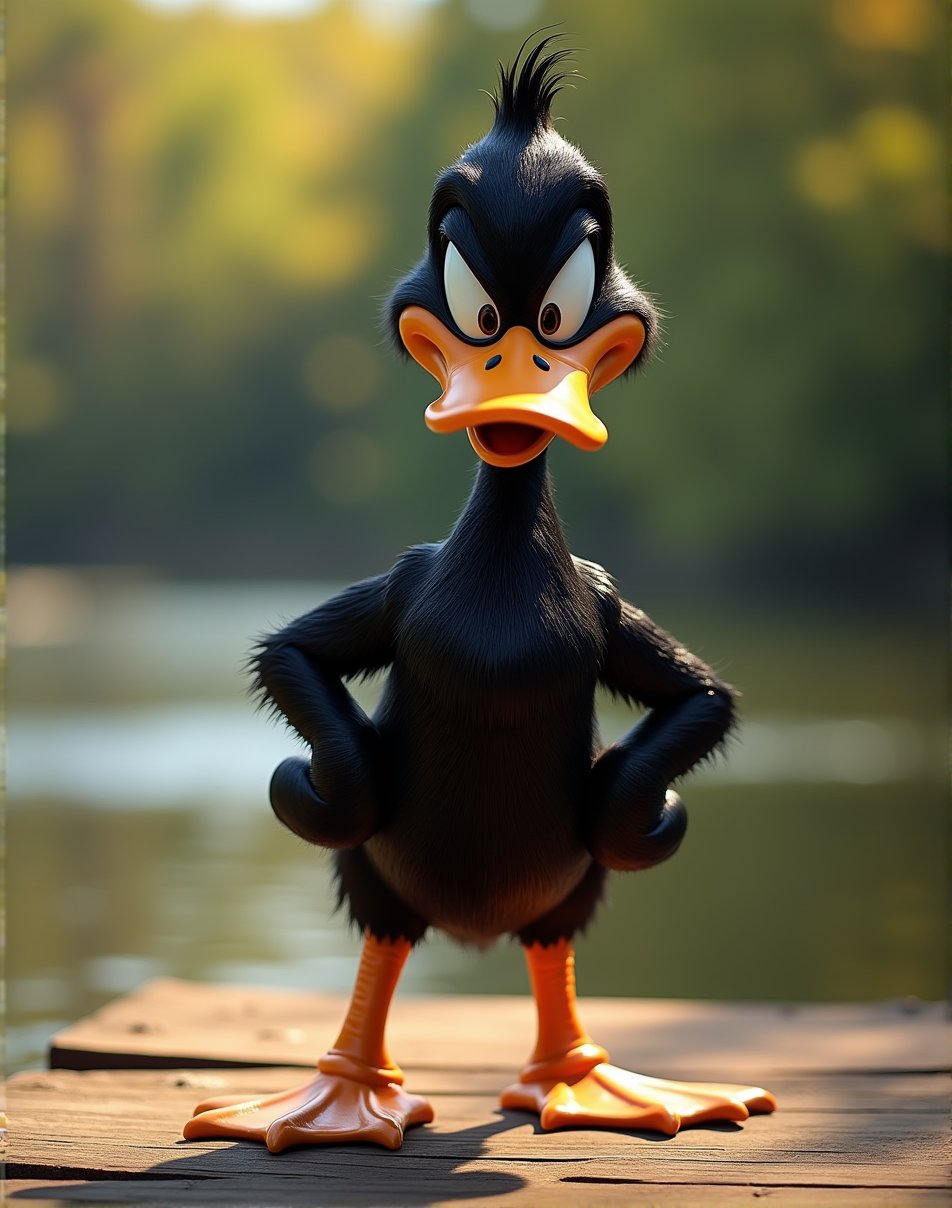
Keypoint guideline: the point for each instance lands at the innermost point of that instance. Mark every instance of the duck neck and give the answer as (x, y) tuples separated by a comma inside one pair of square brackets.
[(510, 511)]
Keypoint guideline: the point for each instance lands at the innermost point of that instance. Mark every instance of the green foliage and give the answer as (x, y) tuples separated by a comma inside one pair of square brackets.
[(206, 212)]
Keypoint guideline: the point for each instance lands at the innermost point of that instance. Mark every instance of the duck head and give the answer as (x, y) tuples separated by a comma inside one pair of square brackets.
[(518, 308)]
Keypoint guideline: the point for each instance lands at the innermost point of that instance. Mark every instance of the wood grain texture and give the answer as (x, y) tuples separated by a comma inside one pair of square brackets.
[(862, 1119), (80, 1124), (178, 1023)]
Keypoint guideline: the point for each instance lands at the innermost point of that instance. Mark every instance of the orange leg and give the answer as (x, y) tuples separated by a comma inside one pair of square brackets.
[(356, 1094), (569, 1082)]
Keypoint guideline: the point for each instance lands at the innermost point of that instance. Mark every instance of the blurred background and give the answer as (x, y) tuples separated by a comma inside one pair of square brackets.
[(208, 434)]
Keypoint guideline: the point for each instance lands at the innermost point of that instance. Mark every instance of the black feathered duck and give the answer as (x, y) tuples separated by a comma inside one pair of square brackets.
[(478, 800)]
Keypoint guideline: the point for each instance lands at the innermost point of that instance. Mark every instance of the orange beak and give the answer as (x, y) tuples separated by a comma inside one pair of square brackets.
[(515, 395)]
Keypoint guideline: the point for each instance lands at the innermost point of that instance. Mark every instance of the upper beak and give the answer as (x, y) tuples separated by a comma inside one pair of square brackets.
[(514, 395)]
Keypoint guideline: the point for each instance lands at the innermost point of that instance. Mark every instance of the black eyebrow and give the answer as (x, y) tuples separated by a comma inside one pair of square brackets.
[(580, 225), (457, 227), (449, 193)]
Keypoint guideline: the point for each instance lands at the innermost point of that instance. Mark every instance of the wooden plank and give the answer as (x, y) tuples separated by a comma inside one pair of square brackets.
[(870, 1093), (172, 1023), (70, 1125), (271, 1192)]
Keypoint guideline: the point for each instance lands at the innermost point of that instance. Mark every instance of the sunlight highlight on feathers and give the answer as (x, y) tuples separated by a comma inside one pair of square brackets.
[(527, 88)]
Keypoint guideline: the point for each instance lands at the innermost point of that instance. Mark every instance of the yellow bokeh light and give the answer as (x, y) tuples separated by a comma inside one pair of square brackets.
[(898, 143), (225, 161), (330, 244), (886, 24), (828, 173), (41, 189)]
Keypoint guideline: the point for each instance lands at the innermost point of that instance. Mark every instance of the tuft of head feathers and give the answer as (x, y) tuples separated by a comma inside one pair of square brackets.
[(516, 203), (528, 86)]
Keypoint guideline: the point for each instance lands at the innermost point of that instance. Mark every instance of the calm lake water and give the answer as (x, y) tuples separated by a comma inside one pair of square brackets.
[(141, 842)]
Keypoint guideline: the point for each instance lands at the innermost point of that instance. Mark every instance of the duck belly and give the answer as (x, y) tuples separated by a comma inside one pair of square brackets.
[(483, 830)]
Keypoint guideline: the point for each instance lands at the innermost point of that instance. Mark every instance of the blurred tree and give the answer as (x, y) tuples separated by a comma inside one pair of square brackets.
[(207, 210)]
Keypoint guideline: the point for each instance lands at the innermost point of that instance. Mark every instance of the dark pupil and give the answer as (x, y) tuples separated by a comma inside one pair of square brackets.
[(551, 318), (488, 320)]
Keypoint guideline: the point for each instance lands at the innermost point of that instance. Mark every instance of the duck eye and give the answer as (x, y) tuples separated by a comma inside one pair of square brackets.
[(488, 320), (550, 319), (569, 296), (473, 311)]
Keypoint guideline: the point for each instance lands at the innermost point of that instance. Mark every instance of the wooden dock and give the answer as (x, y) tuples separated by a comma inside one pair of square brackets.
[(862, 1091)]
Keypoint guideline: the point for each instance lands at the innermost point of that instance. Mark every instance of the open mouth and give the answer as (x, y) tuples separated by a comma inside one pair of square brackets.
[(522, 441), (533, 394)]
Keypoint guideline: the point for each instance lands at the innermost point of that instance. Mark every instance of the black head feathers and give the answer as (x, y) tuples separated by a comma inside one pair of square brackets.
[(526, 92), (516, 205)]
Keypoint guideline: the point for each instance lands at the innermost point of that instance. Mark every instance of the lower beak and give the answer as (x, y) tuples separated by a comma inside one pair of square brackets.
[(515, 395)]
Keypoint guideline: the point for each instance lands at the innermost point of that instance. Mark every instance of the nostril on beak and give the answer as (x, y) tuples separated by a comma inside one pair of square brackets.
[(540, 361), (493, 361)]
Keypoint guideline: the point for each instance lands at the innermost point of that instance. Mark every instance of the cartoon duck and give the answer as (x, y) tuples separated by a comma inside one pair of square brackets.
[(478, 799)]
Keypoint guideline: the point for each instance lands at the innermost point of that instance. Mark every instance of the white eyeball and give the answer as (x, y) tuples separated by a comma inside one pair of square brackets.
[(473, 311), (569, 296)]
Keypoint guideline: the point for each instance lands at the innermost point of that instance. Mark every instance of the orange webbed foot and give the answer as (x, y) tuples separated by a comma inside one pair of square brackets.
[(570, 1083), (330, 1108), (608, 1097)]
